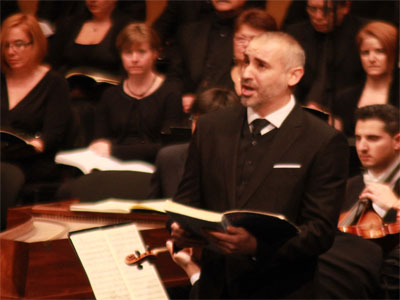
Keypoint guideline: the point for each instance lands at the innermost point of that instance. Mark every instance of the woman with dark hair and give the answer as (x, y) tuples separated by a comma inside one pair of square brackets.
[(378, 46), (34, 98), (131, 116), (88, 39)]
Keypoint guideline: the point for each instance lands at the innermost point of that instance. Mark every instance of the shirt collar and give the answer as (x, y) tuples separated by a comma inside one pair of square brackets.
[(369, 177), (275, 118)]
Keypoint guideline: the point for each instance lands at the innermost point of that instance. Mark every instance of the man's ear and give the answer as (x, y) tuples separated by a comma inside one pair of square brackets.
[(396, 141), (294, 75)]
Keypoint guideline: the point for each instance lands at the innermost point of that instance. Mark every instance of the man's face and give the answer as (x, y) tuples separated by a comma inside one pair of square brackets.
[(376, 148), (264, 75), (322, 15)]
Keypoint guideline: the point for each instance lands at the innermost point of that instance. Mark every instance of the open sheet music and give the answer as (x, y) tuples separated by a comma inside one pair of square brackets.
[(102, 252)]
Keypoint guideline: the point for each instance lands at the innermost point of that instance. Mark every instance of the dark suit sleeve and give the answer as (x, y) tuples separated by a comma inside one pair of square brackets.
[(189, 189), (322, 198)]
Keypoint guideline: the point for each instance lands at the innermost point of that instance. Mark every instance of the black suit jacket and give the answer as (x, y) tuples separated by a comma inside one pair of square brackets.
[(308, 191), (344, 71), (170, 163), (189, 56)]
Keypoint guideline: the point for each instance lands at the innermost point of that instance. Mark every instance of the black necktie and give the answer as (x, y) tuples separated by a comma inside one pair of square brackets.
[(258, 125)]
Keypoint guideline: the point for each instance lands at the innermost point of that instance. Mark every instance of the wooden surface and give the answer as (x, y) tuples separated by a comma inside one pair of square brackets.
[(52, 270)]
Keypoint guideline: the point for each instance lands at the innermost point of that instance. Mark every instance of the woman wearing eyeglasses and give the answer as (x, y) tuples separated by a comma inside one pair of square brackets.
[(34, 99), (249, 24)]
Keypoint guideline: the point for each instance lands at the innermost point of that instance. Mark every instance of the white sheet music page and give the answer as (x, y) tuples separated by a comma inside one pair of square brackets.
[(102, 252)]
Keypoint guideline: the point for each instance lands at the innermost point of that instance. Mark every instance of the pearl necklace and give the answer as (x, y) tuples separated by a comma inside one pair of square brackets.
[(143, 93)]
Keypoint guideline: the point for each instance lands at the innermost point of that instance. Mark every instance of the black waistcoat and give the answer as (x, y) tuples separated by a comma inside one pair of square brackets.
[(250, 152)]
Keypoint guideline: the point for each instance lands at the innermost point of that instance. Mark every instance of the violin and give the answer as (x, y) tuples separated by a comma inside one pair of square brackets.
[(137, 257), (363, 221)]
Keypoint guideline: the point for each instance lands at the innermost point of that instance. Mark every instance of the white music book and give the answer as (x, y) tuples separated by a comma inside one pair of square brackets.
[(102, 251), (88, 160)]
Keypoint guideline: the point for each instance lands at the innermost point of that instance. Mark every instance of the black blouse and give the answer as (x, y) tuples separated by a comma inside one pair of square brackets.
[(45, 111), (65, 54), (134, 125)]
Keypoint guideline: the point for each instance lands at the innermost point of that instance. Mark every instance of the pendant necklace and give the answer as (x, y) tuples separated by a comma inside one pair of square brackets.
[(143, 93)]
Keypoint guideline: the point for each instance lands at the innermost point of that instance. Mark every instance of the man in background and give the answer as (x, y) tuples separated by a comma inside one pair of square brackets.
[(377, 135), (328, 38)]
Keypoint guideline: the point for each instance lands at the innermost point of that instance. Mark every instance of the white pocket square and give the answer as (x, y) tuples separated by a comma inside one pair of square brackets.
[(287, 166)]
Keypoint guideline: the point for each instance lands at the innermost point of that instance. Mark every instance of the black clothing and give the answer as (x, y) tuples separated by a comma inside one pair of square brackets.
[(11, 181), (386, 10), (65, 54), (355, 186), (390, 273), (346, 104), (350, 269), (306, 192), (207, 62), (170, 164), (180, 12), (45, 111), (342, 67), (134, 125)]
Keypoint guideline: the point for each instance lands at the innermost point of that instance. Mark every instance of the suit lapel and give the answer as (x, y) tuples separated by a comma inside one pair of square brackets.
[(283, 140), (231, 145)]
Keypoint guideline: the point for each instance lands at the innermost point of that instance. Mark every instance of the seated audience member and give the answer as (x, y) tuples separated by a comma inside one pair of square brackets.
[(131, 116), (378, 44), (178, 13), (84, 45), (377, 134), (47, 12), (170, 161), (250, 23), (34, 98), (369, 9), (87, 39), (201, 57), (332, 58)]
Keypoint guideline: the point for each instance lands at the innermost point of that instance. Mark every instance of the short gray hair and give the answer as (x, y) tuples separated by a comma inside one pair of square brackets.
[(293, 53)]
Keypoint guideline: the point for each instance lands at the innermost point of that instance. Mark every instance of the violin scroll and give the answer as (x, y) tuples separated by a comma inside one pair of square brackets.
[(137, 257)]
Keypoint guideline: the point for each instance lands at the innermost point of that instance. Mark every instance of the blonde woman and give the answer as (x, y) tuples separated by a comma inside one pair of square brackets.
[(34, 98)]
